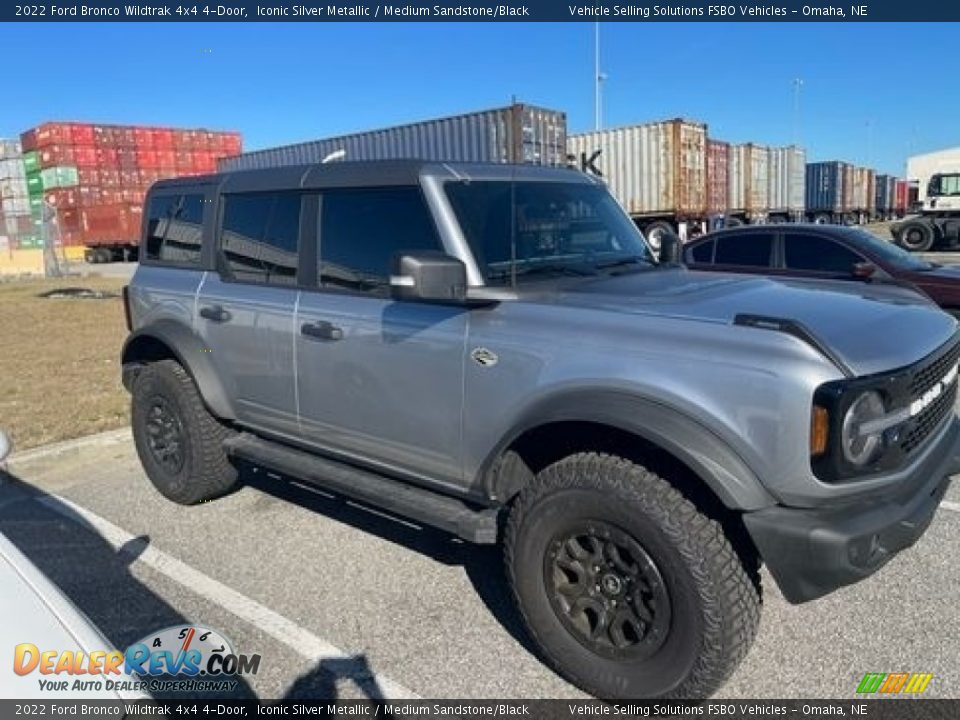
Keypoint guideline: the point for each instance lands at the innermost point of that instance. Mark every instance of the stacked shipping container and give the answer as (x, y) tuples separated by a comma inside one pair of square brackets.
[(16, 228), (94, 177)]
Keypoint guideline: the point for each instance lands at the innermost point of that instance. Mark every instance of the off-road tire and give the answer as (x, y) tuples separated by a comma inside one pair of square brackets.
[(206, 471), (715, 607)]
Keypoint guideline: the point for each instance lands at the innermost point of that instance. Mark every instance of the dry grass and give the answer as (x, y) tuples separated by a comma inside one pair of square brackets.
[(59, 362)]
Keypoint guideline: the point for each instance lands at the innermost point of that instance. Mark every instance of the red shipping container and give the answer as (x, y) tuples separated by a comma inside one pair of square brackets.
[(85, 156), (149, 177), (68, 218), (204, 162), (88, 176), (231, 143), (146, 159), (82, 134), (110, 196), (107, 157), (182, 140), (109, 178), (129, 178), (126, 158), (52, 155), (162, 139), (53, 134), (718, 176), (61, 198), (90, 196), (167, 159), (184, 162), (143, 137), (28, 140), (901, 196), (71, 238), (126, 137), (132, 195)]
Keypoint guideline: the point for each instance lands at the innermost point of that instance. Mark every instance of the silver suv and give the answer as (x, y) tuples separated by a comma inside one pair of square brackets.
[(493, 350)]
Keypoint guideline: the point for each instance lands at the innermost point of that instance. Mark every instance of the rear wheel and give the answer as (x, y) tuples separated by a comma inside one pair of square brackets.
[(655, 231), (626, 588), (915, 237), (179, 442)]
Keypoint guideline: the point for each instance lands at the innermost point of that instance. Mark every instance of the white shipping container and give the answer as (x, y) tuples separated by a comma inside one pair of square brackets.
[(653, 169), (749, 179), (12, 168), (10, 149), (13, 188), (15, 206), (787, 179)]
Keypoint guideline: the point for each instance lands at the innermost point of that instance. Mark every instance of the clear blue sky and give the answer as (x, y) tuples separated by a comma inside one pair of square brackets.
[(872, 92)]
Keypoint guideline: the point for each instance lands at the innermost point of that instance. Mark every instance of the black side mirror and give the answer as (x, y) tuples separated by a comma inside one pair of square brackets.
[(428, 277), (669, 249)]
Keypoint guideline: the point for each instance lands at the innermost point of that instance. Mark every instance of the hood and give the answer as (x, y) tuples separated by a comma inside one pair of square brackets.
[(870, 327)]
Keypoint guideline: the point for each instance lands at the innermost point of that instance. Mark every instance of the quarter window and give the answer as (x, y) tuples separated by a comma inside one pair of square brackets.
[(259, 240), (175, 229), (702, 253), (747, 250), (361, 231), (818, 254)]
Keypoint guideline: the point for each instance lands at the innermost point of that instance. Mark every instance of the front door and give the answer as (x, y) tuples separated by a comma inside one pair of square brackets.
[(378, 380)]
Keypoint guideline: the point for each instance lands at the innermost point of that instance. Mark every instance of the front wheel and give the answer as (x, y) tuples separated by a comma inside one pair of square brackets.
[(626, 588), (915, 237)]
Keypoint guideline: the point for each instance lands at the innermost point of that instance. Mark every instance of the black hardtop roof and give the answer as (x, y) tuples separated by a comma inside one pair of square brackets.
[(372, 173)]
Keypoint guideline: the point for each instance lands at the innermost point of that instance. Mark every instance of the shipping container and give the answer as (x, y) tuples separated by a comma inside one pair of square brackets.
[(849, 199), (749, 181), (787, 183), (10, 149), (718, 177), (885, 196), (825, 191), (519, 133), (862, 196), (901, 203)]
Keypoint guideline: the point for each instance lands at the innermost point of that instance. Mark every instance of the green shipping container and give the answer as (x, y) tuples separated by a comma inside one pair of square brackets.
[(28, 242), (34, 185), (31, 161), (58, 177), (36, 205)]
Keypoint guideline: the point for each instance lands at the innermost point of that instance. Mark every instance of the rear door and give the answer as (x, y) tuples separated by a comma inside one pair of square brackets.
[(246, 307), (809, 254), (378, 380)]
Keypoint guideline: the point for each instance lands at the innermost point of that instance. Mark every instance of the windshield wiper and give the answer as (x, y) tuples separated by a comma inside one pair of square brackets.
[(623, 261), (548, 269)]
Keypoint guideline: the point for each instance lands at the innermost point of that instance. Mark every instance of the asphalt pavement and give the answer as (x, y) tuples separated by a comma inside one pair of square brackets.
[(341, 600)]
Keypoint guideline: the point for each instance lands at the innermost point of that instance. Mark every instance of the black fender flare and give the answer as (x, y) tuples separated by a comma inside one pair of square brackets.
[(710, 457), (190, 351)]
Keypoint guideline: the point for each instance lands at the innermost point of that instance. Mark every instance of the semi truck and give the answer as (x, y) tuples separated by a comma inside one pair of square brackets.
[(936, 222)]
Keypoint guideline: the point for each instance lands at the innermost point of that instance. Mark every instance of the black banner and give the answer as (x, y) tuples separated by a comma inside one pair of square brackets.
[(485, 11), (874, 709)]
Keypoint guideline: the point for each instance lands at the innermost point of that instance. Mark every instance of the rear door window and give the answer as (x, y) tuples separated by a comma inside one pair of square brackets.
[(747, 250), (175, 229), (259, 238)]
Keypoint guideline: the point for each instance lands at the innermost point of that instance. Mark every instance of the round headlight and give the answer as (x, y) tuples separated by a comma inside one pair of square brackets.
[(858, 448)]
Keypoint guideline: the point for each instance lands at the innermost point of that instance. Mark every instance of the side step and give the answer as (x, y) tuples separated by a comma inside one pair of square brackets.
[(396, 496)]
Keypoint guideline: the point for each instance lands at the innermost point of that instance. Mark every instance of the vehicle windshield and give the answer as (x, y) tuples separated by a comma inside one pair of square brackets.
[(520, 231), (890, 253)]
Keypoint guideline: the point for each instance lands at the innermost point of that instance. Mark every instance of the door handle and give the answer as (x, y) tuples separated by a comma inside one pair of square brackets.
[(321, 330), (216, 313)]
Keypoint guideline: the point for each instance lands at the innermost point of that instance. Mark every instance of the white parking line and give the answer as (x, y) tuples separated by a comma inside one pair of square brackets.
[(285, 631), (952, 506)]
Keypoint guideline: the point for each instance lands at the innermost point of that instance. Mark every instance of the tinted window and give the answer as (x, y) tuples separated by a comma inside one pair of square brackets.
[(259, 237), (748, 250), (175, 229), (529, 229), (812, 252), (362, 230), (702, 253)]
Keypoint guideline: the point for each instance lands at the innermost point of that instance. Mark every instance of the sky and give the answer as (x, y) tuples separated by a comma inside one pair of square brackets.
[(868, 94)]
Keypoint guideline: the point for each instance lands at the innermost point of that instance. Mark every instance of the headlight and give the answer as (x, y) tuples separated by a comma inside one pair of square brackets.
[(862, 445)]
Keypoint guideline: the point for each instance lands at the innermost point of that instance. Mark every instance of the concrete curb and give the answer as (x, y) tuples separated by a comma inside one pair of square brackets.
[(110, 437)]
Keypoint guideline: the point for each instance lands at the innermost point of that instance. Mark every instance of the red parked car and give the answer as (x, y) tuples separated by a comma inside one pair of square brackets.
[(831, 252)]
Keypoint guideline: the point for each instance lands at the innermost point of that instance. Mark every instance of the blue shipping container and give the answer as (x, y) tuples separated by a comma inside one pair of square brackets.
[(824, 191)]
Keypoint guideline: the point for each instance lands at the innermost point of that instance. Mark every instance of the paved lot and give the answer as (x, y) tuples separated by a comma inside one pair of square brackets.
[(341, 600)]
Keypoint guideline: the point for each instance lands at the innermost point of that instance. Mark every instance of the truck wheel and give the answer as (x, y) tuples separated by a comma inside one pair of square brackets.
[(655, 231), (821, 219), (915, 237), (179, 442), (732, 222), (626, 588)]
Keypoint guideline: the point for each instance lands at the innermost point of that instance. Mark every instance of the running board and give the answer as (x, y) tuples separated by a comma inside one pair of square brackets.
[(395, 496)]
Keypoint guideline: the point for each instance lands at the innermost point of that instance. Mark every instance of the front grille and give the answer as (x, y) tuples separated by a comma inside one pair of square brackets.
[(929, 419), (922, 380)]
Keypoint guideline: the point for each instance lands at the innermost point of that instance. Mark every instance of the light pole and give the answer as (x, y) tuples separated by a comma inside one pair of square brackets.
[(797, 85), (598, 78)]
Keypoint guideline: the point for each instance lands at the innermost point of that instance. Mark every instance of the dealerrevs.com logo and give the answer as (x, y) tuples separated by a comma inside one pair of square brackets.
[(188, 658)]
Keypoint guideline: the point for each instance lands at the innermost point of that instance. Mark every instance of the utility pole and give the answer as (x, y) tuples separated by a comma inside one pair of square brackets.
[(797, 85), (598, 79)]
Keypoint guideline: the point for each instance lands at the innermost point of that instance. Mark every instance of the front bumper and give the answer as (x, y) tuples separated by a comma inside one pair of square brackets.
[(811, 552)]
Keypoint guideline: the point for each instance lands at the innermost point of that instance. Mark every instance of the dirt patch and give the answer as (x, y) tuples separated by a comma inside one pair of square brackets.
[(59, 362)]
